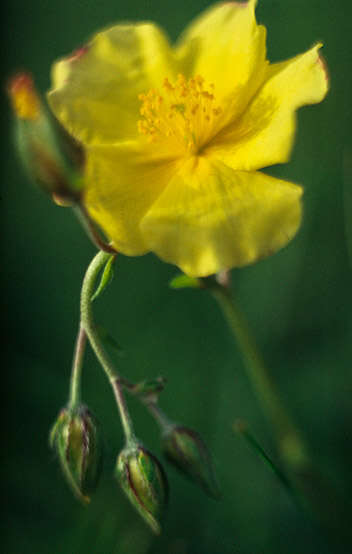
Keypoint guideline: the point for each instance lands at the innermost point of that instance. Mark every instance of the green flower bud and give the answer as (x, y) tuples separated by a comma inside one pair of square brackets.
[(142, 478), (51, 158), (186, 450), (77, 442)]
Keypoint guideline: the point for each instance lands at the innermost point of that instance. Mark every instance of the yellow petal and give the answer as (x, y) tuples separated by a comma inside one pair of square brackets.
[(212, 218), (264, 134), (226, 47), (95, 91), (122, 182)]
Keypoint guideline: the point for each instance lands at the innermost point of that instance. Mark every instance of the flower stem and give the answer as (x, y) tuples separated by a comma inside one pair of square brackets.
[(75, 384), (88, 324), (314, 491), (91, 230), (124, 413), (289, 441), (159, 415)]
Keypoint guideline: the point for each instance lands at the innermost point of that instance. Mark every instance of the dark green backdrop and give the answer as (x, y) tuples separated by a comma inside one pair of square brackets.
[(298, 303)]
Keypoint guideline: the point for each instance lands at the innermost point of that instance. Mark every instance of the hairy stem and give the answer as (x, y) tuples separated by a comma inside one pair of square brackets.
[(159, 415), (75, 384), (88, 324)]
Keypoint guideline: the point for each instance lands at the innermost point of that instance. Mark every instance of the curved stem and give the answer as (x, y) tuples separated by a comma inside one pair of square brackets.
[(91, 229), (87, 322), (75, 384), (159, 415)]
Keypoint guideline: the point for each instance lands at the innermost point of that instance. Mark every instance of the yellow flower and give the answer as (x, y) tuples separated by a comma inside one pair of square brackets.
[(174, 136)]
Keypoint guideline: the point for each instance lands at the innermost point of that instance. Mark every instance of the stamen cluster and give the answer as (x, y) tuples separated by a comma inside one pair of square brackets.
[(184, 111)]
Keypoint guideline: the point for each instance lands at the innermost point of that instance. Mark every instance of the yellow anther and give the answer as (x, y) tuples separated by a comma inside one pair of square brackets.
[(182, 114), (181, 80), (207, 94), (167, 84)]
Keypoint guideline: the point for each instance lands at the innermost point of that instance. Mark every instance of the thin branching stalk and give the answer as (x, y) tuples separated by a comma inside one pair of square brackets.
[(75, 384), (88, 324)]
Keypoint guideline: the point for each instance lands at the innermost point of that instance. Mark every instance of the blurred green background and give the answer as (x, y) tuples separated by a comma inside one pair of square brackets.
[(298, 303)]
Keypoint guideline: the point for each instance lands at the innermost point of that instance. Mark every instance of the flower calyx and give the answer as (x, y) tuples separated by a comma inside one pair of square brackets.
[(51, 157), (76, 439), (186, 450), (143, 480)]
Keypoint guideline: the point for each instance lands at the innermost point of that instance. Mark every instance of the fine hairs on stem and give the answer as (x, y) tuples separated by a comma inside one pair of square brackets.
[(88, 324), (75, 384), (89, 330)]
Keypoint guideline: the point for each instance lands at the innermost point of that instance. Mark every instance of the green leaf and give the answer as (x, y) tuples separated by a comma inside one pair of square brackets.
[(106, 277), (184, 281)]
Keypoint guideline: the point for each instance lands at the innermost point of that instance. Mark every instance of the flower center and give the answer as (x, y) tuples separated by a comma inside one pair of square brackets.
[(183, 113)]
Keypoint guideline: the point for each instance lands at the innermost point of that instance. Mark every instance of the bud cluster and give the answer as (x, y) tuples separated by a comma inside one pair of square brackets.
[(55, 162)]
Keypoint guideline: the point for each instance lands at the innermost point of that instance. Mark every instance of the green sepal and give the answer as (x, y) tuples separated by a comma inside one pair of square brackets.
[(143, 480), (76, 439), (55, 428), (51, 158), (106, 277), (186, 450), (182, 281)]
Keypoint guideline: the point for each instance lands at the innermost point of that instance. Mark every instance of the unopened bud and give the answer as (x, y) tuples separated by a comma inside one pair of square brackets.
[(24, 97), (142, 478), (48, 154), (77, 442), (186, 450)]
